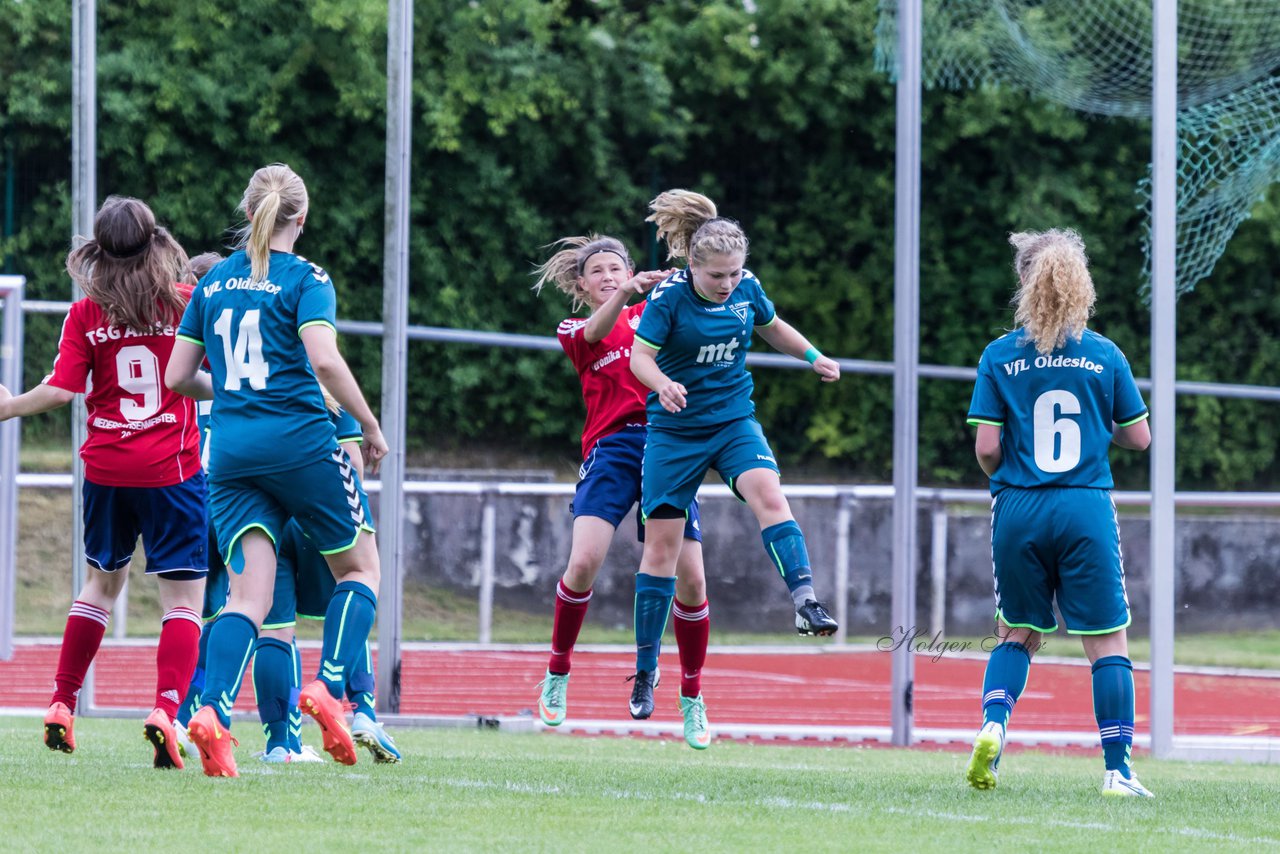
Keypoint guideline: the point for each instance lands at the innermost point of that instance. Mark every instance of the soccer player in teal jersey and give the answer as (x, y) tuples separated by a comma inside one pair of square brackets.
[(1050, 399), (303, 589), (690, 351), (266, 319), (597, 273)]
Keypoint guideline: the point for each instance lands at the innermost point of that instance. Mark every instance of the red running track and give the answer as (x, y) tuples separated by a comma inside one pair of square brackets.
[(823, 688)]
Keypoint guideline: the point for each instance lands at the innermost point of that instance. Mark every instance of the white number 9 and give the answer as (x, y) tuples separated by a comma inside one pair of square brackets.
[(138, 373)]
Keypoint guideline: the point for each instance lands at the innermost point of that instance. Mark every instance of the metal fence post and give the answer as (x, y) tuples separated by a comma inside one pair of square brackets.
[(844, 514), (938, 572), (11, 288), (488, 560)]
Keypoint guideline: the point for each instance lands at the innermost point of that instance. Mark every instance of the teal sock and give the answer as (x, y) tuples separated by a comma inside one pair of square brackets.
[(784, 543), (295, 687), (653, 605), (360, 685), (346, 630), (272, 682), (1004, 681), (230, 647), (1113, 708)]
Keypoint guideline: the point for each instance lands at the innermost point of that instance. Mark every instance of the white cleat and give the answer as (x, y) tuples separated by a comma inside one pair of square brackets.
[(185, 744), (1117, 785)]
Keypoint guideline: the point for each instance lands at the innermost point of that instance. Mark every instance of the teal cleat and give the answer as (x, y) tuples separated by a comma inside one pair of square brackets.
[(369, 733), (987, 747), (1115, 784), (553, 704), (697, 732)]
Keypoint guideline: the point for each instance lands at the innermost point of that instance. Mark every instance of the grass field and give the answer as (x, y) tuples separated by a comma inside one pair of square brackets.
[(468, 790)]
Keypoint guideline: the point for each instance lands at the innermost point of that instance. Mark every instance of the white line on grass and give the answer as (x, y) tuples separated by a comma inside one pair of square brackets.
[(824, 806)]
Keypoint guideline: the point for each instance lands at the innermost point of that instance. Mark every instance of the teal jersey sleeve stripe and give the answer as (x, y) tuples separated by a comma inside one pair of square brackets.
[(976, 421), (772, 320), (188, 338), (318, 323), (648, 344), (1133, 421)]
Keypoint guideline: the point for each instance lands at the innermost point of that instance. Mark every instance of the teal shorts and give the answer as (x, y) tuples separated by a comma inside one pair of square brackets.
[(304, 583), (325, 498), (1058, 543), (676, 462)]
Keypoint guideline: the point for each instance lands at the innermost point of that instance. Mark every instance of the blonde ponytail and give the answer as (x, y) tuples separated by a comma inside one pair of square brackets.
[(275, 197), (693, 230)]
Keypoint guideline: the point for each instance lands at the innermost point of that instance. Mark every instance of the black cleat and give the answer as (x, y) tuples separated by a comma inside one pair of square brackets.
[(812, 619), (642, 693)]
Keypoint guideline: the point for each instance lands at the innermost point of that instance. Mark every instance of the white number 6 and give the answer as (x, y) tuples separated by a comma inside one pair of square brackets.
[(1057, 440)]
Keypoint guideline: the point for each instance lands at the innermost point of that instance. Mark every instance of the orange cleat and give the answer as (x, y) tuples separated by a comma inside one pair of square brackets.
[(58, 734), (214, 742), (158, 730), (315, 700)]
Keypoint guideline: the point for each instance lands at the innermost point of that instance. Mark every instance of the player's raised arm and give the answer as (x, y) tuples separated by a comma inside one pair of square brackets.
[(785, 338)]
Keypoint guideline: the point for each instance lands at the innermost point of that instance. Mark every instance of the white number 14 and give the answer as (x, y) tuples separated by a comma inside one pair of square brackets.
[(243, 357)]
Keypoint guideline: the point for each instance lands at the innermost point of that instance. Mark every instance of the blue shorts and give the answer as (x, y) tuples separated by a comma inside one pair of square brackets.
[(325, 498), (609, 483), (676, 462), (1063, 543), (304, 584), (171, 520)]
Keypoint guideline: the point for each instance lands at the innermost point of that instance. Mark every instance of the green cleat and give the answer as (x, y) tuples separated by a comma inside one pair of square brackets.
[(553, 705), (697, 732), (987, 748)]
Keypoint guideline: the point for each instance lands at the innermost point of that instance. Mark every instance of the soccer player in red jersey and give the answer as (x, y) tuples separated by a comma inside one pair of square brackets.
[(142, 474), (597, 272)]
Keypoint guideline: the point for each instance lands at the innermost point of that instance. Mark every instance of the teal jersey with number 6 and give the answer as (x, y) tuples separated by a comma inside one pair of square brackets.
[(268, 414), (1056, 411)]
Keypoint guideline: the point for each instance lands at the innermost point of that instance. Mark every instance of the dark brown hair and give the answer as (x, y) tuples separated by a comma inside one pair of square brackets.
[(131, 266)]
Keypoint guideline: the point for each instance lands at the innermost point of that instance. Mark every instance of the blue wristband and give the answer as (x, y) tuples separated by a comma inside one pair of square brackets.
[(811, 355)]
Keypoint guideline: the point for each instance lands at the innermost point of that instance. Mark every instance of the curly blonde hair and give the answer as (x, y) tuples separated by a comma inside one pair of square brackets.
[(689, 224), (1055, 295), (564, 268)]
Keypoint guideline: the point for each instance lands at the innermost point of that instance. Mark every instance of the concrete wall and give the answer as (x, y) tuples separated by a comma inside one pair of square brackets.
[(1227, 568)]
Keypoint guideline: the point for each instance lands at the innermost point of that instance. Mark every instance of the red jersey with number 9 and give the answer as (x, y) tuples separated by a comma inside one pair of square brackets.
[(140, 433)]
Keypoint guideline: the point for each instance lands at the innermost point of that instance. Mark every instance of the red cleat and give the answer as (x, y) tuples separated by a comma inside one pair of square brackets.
[(58, 734), (214, 742), (158, 730), (315, 700)]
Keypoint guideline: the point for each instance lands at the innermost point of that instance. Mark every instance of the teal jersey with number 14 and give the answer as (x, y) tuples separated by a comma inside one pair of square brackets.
[(268, 413)]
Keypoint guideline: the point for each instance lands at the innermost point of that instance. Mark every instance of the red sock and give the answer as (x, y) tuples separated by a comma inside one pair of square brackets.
[(80, 641), (571, 610), (693, 626), (176, 656)]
